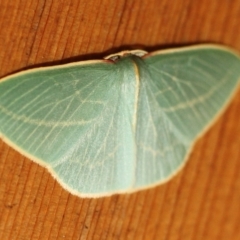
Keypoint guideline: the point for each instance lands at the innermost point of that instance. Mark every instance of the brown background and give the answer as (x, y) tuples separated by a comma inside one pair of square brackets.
[(201, 202)]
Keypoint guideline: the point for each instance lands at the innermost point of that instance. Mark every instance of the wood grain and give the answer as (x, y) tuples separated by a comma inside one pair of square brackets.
[(201, 202)]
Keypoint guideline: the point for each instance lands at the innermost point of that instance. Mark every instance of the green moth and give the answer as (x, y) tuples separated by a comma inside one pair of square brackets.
[(121, 124)]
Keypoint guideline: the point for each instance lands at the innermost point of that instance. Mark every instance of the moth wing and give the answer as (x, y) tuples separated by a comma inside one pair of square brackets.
[(182, 92), (73, 120), (192, 85)]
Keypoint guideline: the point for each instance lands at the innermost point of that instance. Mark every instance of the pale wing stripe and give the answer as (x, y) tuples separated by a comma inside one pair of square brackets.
[(62, 127), (37, 122), (178, 80), (163, 81), (25, 119), (186, 141), (11, 114), (183, 92), (49, 132), (37, 127), (97, 120), (70, 116), (199, 99)]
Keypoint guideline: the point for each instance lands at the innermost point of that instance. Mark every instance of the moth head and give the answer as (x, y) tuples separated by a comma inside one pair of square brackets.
[(116, 56)]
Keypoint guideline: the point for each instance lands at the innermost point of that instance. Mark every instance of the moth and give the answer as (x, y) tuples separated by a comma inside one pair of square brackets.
[(121, 124)]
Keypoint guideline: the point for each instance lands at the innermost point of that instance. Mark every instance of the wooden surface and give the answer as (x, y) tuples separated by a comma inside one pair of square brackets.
[(201, 202)]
